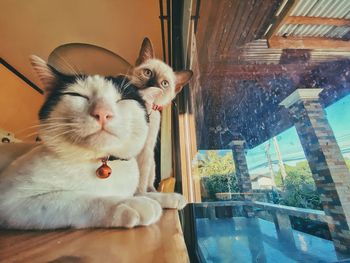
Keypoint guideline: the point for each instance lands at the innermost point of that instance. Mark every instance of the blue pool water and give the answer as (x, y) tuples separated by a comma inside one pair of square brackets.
[(241, 239)]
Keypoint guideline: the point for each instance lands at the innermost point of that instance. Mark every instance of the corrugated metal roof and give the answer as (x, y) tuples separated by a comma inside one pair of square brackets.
[(313, 31), (318, 8), (338, 32), (257, 52), (322, 8)]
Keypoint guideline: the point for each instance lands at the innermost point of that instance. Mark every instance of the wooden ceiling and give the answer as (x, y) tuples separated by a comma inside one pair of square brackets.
[(312, 25), (226, 25), (244, 74)]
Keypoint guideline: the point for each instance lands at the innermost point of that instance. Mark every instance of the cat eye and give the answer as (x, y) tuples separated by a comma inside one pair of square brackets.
[(147, 72), (76, 95), (122, 99), (164, 83)]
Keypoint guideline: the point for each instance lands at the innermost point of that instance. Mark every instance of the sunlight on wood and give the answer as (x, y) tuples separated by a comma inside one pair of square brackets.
[(162, 242)]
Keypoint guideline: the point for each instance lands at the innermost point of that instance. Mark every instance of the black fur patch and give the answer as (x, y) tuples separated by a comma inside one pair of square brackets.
[(122, 84), (62, 81), (128, 91), (152, 82)]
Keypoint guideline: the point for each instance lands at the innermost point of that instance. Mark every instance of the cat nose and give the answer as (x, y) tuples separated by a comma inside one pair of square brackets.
[(101, 114)]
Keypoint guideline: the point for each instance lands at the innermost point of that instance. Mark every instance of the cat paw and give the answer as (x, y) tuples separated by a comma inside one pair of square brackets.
[(136, 211), (169, 200), (174, 201)]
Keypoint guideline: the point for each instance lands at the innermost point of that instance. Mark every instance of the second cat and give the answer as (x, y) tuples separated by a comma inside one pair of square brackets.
[(151, 75)]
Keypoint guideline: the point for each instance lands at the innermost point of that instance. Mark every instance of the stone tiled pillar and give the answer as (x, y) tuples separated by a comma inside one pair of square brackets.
[(325, 159), (242, 173)]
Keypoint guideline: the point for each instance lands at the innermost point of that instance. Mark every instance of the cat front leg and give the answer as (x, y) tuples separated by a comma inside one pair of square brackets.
[(146, 163), (151, 177), (62, 209)]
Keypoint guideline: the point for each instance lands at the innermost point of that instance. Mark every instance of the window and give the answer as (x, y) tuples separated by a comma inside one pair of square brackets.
[(271, 131)]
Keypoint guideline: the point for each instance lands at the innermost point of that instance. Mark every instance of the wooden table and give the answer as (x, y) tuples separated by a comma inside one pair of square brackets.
[(161, 242)]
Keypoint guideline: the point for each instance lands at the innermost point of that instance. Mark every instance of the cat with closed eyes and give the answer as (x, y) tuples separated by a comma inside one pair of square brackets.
[(84, 173), (150, 75)]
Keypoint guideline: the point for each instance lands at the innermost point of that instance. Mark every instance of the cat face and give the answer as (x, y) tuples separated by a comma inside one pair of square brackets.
[(99, 115), (151, 72)]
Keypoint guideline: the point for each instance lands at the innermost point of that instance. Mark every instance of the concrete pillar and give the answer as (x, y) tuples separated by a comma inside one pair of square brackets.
[(325, 159), (242, 173)]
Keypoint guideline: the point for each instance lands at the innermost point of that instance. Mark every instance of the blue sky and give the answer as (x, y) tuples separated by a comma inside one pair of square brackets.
[(338, 115)]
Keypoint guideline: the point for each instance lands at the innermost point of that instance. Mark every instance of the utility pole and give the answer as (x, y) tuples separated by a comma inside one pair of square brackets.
[(280, 161), (268, 156)]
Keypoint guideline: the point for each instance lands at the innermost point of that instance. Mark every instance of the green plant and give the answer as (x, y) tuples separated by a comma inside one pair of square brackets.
[(213, 163), (219, 183), (300, 189), (217, 172)]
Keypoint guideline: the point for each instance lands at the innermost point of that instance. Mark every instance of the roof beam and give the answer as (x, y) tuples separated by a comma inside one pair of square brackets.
[(308, 43), (240, 72), (279, 20), (308, 20)]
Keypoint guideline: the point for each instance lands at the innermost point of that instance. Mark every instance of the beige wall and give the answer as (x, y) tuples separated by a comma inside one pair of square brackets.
[(39, 26), (19, 105)]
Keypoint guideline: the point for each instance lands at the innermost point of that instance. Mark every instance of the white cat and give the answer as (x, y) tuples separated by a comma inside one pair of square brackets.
[(149, 75), (84, 120)]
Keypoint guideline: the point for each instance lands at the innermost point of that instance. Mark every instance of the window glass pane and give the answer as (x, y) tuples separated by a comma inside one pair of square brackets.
[(218, 175), (270, 102), (338, 115)]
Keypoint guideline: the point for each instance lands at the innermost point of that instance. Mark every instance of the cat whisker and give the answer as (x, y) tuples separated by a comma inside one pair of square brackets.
[(58, 123), (26, 129), (36, 127), (127, 85), (74, 70), (30, 135), (58, 118), (51, 129), (55, 129), (46, 124), (125, 77), (124, 85), (58, 128), (59, 135), (77, 139)]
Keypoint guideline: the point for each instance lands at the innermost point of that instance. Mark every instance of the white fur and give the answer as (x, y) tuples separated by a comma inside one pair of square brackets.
[(127, 139), (145, 159), (163, 70), (175, 80), (55, 185)]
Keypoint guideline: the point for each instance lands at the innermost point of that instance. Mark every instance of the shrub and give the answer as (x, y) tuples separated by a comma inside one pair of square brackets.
[(300, 189), (219, 183)]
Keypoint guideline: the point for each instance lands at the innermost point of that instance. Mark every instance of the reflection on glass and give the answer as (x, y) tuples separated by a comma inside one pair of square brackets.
[(265, 87)]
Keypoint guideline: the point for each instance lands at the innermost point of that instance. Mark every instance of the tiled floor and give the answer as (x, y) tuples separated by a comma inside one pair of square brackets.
[(243, 239)]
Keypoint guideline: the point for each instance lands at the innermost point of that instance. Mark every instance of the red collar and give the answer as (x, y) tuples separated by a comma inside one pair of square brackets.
[(110, 158), (156, 107)]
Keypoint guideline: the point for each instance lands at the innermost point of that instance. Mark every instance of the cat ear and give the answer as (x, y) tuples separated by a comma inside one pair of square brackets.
[(146, 51), (182, 78), (45, 72), (150, 94)]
